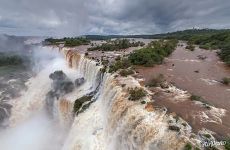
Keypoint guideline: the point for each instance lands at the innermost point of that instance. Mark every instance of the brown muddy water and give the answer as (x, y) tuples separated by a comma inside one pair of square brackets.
[(199, 73)]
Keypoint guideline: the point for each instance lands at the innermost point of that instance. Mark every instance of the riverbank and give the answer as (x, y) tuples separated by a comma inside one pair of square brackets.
[(199, 72)]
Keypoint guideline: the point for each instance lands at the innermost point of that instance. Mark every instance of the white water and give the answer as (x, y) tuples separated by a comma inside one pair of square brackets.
[(112, 122)]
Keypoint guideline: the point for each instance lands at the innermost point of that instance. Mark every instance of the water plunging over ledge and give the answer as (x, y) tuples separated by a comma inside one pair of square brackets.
[(111, 121)]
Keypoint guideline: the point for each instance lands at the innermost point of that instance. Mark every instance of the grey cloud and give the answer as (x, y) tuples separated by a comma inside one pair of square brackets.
[(75, 17)]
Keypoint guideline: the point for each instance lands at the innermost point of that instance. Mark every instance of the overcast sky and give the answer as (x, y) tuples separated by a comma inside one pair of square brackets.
[(77, 17)]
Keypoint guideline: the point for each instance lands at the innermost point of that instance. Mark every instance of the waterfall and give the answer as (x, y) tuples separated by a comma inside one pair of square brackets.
[(111, 122)]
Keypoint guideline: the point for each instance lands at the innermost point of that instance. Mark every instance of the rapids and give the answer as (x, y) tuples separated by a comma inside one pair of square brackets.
[(111, 122)]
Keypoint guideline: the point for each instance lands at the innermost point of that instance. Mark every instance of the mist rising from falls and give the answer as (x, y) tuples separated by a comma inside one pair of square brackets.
[(29, 122), (111, 122)]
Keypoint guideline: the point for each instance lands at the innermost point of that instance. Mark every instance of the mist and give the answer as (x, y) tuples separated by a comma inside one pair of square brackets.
[(37, 133), (30, 126), (13, 44)]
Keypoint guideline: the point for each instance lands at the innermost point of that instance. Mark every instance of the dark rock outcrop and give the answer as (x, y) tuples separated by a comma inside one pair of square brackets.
[(61, 85), (174, 128), (79, 82), (5, 111)]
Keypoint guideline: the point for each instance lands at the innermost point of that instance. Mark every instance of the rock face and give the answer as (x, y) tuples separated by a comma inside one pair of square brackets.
[(5, 110), (79, 82), (61, 85)]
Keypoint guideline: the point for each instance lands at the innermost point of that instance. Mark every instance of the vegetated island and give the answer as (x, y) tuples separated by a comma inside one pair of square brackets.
[(116, 45), (209, 39), (67, 41)]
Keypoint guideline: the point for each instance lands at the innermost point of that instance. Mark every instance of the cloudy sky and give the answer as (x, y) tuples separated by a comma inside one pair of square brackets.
[(77, 17)]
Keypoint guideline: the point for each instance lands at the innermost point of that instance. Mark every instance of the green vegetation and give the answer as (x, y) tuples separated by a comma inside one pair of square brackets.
[(6, 60), (119, 64), (154, 53), (126, 72), (156, 81), (107, 37), (68, 42), (116, 45), (206, 39), (196, 98), (79, 103), (190, 47), (225, 81), (200, 99), (136, 94), (207, 136), (188, 146), (227, 145)]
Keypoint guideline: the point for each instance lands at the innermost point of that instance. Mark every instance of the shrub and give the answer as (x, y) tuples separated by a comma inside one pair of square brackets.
[(116, 45), (227, 145), (188, 146), (136, 94), (120, 64), (195, 98), (190, 47), (153, 54), (79, 102), (10, 60), (207, 136), (226, 81)]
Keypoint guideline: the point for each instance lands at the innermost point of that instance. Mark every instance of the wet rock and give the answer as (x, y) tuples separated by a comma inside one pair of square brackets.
[(164, 85), (174, 128), (201, 57), (5, 110), (61, 83), (79, 82), (143, 102), (205, 135), (57, 75)]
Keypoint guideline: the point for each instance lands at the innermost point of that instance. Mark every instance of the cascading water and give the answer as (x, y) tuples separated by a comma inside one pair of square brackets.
[(111, 122), (114, 122)]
